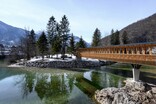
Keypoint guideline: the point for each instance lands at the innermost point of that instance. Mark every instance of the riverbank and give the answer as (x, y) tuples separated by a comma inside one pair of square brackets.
[(131, 93), (59, 63), (64, 64)]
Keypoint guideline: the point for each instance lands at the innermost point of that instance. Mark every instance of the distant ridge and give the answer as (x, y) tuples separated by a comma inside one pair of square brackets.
[(9, 34), (139, 32)]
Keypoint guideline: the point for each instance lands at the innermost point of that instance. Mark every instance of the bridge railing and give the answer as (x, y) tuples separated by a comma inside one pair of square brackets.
[(135, 53)]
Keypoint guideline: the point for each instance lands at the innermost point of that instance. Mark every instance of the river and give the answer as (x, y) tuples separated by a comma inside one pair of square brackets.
[(56, 86)]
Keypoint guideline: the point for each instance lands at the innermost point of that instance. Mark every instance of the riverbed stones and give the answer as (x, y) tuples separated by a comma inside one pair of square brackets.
[(131, 93)]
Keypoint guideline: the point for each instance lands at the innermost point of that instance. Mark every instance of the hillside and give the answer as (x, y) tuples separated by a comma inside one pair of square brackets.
[(138, 32), (10, 34)]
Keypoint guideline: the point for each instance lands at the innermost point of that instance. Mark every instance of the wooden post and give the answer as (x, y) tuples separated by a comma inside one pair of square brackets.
[(127, 51), (119, 50), (137, 51), (143, 51), (122, 51), (132, 50), (150, 50)]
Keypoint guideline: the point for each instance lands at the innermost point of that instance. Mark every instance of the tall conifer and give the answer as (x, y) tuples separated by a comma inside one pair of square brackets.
[(64, 27), (42, 44), (96, 38)]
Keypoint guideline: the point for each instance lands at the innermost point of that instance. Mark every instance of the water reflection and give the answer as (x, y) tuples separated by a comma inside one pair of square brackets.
[(144, 76), (27, 84), (54, 88), (105, 80), (49, 88)]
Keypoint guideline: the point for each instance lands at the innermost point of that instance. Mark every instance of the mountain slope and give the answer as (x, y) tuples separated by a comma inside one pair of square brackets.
[(77, 39), (10, 34), (138, 32)]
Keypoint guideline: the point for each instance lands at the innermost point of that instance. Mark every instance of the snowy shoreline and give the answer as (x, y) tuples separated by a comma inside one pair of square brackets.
[(57, 62), (15, 65)]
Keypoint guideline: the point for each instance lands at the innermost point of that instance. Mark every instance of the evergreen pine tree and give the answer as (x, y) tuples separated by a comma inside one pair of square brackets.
[(32, 39), (57, 41), (112, 41), (72, 44), (124, 38), (115, 39), (56, 45), (51, 29), (64, 27), (42, 44), (81, 43), (112, 31), (96, 38)]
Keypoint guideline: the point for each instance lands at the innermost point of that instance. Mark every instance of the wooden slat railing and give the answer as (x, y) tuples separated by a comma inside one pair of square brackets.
[(134, 54)]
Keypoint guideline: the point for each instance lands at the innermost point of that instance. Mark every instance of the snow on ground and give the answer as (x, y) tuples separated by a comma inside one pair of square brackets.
[(53, 58), (58, 58), (15, 65), (89, 59)]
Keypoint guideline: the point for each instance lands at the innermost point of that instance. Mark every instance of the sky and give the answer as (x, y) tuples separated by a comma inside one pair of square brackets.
[(84, 15)]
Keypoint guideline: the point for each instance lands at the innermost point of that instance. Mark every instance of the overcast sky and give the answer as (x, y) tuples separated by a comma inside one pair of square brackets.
[(84, 15)]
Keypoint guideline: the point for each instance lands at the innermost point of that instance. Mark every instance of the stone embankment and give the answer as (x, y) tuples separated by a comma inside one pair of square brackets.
[(63, 64), (131, 93)]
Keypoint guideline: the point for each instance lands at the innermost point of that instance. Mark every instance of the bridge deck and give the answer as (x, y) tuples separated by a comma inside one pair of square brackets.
[(134, 54)]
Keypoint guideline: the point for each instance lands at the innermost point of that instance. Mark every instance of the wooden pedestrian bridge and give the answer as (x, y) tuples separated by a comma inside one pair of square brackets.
[(135, 54)]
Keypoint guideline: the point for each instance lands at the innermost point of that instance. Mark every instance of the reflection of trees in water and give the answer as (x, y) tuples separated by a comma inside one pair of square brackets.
[(41, 86), (106, 80), (49, 88), (29, 84), (52, 90), (56, 88), (71, 80), (26, 82)]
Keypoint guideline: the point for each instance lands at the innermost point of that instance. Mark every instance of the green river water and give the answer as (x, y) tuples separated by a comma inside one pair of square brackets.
[(56, 86)]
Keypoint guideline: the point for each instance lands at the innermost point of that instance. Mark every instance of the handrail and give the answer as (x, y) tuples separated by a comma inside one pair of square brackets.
[(132, 53)]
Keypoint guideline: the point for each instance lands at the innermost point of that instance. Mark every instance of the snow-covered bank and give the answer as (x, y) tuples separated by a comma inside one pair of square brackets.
[(17, 65), (57, 62)]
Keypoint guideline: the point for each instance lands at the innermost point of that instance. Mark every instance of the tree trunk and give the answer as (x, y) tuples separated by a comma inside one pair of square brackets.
[(42, 57)]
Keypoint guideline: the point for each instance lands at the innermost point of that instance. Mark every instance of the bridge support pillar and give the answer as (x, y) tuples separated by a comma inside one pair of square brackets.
[(136, 71)]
